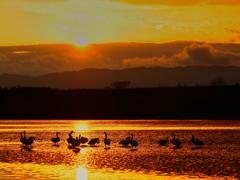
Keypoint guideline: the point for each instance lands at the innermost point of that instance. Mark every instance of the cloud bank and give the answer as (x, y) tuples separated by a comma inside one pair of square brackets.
[(44, 59), (193, 55)]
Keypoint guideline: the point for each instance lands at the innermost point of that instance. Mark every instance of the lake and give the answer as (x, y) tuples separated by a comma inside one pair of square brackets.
[(219, 158)]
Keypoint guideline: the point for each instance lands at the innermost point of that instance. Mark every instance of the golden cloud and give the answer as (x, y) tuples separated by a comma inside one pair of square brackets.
[(193, 55)]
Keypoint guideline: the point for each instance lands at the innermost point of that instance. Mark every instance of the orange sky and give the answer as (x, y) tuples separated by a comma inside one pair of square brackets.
[(25, 22)]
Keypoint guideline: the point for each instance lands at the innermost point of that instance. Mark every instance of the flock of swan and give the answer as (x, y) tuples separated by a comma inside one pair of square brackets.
[(75, 142), (177, 142)]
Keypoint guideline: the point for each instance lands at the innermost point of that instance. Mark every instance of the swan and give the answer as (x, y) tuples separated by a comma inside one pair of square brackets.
[(163, 141), (93, 141), (70, 139), (29, 141), (22, 139), (106, 141), (176, 142), (56, 139), (24, 132), (197, 142), (83, 139), (76, 142), (125, 142), (133, 143)]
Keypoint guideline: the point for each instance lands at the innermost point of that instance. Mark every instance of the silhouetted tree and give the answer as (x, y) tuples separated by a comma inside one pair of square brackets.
[(119, 85), (219, 81)]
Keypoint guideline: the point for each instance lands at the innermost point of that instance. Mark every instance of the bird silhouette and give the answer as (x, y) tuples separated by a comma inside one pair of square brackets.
[(106, 140), (24, 132), (92, 142), (22, 139), (163, 142), (197, 142), (133, 142), (125, 142), (176, 142), (29, 141), (83, 139), (70, 139), (56, 139), (76, 142), (26, 141)]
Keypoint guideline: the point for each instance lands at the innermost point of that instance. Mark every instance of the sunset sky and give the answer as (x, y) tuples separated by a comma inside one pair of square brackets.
[(103, 22)]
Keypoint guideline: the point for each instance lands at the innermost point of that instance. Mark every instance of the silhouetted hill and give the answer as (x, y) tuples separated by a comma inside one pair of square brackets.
[(139, 77), (10, 80)]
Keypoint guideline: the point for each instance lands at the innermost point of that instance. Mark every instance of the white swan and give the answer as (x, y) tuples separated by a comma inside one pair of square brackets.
[(125, 142), (197, 142), (106, 140), (56, 139), (176, 142), (163, 142), (133, 142)]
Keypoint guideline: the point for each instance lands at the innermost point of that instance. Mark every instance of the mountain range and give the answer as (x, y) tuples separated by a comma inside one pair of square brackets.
[(38, 60), (140, 77)]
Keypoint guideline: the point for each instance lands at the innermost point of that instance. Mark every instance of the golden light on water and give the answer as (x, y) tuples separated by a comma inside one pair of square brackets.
[(82, 128), (81, 174), (61, 172), (91, 126), (218, 159)]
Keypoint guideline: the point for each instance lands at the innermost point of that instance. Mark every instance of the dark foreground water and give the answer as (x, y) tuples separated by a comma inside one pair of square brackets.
[(218, 159)]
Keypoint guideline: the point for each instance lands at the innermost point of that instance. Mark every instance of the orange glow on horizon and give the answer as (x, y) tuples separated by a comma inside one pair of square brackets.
[(21, 52), (82, 41)]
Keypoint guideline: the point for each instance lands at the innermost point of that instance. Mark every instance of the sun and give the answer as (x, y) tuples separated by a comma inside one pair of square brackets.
[(82, 41)]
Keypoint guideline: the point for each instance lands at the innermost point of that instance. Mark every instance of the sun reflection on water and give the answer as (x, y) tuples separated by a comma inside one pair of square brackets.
[(27, 171), (81, 128), (94, 125), (81, 174), (81, 125)]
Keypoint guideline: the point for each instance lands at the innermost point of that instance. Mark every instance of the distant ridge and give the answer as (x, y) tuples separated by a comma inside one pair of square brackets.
[(140, 77), (38, 60)]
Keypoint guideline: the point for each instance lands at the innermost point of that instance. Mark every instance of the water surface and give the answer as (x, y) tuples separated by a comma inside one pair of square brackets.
[(218, 159)]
